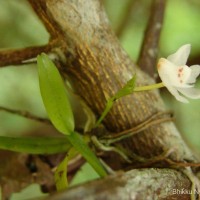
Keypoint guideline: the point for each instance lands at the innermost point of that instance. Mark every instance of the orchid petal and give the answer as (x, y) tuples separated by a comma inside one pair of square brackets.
[(175, 93), (192, 93), (183, 74), (195, 71), (163, 75), (167, 70), (180, 56), (166, 79)]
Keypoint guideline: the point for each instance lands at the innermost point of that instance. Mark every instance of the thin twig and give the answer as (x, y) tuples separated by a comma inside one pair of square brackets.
[(147, 162), (19, 56), (125, 18), (26, 115), (148, 53)]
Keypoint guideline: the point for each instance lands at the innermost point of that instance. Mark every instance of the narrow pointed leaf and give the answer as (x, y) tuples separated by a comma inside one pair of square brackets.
[(35, 145), (81, 146), (127, 89), (60, 175), (54, 95)]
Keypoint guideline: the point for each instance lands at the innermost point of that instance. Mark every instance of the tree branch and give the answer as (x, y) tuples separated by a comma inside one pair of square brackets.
[(135, 185), (148, 54), (19, 56)]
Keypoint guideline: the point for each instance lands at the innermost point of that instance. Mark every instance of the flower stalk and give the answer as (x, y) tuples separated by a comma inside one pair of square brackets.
[(149, 87), (111, 101)]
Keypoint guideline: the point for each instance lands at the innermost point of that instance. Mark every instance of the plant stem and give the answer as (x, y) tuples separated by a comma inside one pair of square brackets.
[(82, 147), (109, 105), (149, 87), (111, 101)]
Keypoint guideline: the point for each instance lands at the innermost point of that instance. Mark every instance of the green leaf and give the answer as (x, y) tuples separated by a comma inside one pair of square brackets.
[(35, 145), (60, 175), (59, 110), (127, 89), (81, 146), (54, 95)]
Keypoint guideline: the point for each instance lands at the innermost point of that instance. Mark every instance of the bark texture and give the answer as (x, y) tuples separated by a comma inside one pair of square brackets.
[(135, 185)]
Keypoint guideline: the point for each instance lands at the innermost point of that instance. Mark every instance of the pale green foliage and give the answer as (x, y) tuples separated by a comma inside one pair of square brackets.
[(126, 90), (54, 95), (78, 142), (59, 110), (60, 175), (35, 145)]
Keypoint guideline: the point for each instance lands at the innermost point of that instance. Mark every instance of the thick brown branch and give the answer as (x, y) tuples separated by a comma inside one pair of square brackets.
[(149, 50), (136, 184)]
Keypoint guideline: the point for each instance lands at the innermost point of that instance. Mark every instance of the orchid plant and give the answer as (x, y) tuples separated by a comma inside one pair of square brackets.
[(177, 77)]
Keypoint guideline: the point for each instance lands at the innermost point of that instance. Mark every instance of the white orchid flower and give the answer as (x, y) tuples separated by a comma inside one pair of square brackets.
[(177, 77)]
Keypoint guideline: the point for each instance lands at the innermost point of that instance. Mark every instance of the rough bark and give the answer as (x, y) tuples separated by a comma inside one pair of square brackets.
[(135, 185)]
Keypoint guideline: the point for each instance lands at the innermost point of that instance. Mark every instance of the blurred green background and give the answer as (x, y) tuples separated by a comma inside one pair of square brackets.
[(20, 27)]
